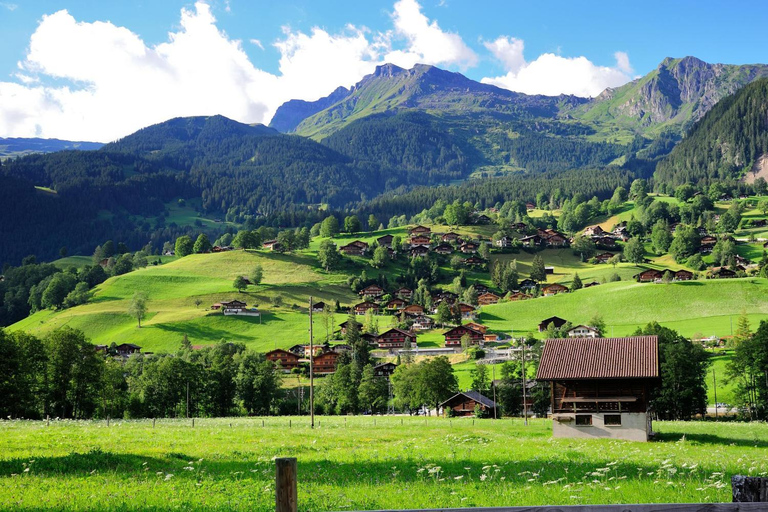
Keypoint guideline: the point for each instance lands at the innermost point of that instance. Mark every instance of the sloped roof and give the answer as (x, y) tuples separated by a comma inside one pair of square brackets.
[(473, 395), (600, 358)]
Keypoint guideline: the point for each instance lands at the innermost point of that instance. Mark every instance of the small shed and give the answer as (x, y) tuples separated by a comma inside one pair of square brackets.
[(464, 403)]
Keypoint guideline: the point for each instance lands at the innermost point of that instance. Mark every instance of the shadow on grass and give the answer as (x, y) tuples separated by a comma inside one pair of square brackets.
[(689, 283), (711, 439)]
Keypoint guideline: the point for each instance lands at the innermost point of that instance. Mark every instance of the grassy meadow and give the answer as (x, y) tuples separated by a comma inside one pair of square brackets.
[(351, 464)]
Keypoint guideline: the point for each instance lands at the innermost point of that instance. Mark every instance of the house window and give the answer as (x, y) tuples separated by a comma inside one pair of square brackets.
[(612, 420), (583, 420)]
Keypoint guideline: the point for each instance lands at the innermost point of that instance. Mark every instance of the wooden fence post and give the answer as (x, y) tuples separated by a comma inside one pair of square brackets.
[(749, 489), (285, 485), (153, 422)]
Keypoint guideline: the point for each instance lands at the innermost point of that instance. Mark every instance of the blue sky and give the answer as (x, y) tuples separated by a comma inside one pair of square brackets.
[(96, 70)]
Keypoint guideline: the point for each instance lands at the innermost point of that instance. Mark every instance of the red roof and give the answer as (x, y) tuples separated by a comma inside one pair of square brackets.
[(600, 358)]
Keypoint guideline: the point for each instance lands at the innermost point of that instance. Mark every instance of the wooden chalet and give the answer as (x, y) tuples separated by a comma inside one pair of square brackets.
[(395, 304), (371, 339), (520, 226), (285, 360), (343, 327), (530, 206), (423, 323), (356, 248), (236, 307), (469, 247), (384, 369), (297, 349), (480, 288), (414, 309), (556, 240), (649, 276), (583, 331), (504, 242), (601, 386), (318, 307), (467, 310), (127, 349), (453, 336), (483, 219), (396, 338), (683, 275), (420, 230), (385, 241), (518, 296), (553, 289), (372, 290), (233, 304), (478, 327), (420, 240), (270, 244), (419, 251), (325, 362), (532, 241), (603, 257), (404, 293), (722, 273), (474, 261), (556, 320), (593, 231), (363, 307), (488, 298), (605, 241), (443, 248), (464, 404), (450, 237), (549, 270), (527, 284)]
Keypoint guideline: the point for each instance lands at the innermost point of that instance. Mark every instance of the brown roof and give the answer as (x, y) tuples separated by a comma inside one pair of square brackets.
[(600, 358)]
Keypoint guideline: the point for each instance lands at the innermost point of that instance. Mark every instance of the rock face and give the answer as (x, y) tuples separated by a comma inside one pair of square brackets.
[(680, 91), (292, 112)]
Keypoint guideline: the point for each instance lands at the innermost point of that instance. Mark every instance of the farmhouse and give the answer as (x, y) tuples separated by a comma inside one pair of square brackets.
[(297, 349), (283, 359), (385, 241), (384, 369), (527, 284), (356, 248), (518, 296), (325, 362), (404, 293), (372, 290), (649, 276), (593, 231), (488, 298), (343, 326), (583, 331), (504, 242), (469, 247), (363, 307), (520, 226), (443, 248), (420, 240), (272, 245), (414, 309), (395, 304), (483, 219), (467, 310), (450, 237), (683, 275), (126, 349), (420, 230), (236, 307), (478, 327), (553, 289), (556, 320), (419, 251), (474, 261), (396, 338), (371, 339), (605, 241), (423, 323), (603, 257), (722, 273), (318, 307), (453, 336), (532, 241), (530, 206), (601, 386), (480, 288), (464, 404)]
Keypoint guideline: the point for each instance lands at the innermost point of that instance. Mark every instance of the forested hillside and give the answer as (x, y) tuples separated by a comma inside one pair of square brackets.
[(724, 144)]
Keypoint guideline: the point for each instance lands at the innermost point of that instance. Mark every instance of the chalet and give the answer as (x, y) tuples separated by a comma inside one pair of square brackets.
[(488, 298), (549, 270), (722, 273), (325, 362), (556, 240), (297, 349), (370, 339), (232, 306), (478, 327), (480, 288), (473, 261), (216, 306), (385, 241), (343, 327), (683, 275), (491, 337), (340, 348), (423, 323), (283, 359), (126, 349), (553, 289), (318, 307), (603, 257), (219, 248), (520, 226), (532, 241), (395, 305), (557, 321), (649, 276), (469, 247), (465, 404), (420, 230), (372, 290), (527, 284), (530, 206), (270, 244), (420, 240), (467, 310), (443, 248), (384, 369), (363, 307), (518, 296), (453, 336), (593, 231), (583, 331), (445, 294), (504, 242), (601, 386), (356, 248), (396, 338), (605, 241), (414, 309), (420, 251), (450, 237), (483, 219)]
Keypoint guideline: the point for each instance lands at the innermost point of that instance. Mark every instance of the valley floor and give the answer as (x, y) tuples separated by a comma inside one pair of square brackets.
[(363, 463)]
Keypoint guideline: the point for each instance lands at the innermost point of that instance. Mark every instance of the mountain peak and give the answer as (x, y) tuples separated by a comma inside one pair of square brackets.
[(387, 70)]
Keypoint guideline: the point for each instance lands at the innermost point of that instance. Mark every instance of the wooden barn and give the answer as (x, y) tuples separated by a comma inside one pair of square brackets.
[(283, 359), (601, 386), (464, 403), (453, 336)]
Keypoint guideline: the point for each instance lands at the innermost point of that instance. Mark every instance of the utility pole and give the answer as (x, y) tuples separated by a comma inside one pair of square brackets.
[(311, 371), (187, 399), (714, 384), (493, 385), (525, 385)]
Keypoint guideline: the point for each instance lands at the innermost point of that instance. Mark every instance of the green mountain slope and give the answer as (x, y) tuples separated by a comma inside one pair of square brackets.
[(725, 144)]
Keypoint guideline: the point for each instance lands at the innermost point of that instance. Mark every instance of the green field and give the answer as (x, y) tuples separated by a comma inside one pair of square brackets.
[(347, 463)]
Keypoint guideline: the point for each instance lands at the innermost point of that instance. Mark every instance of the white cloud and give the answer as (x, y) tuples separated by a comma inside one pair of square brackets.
[(117, 84), (427, 42), (11, 7), (552, 74), (257, 42)]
